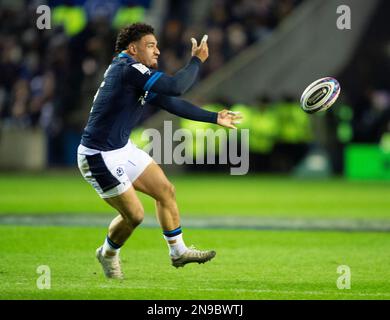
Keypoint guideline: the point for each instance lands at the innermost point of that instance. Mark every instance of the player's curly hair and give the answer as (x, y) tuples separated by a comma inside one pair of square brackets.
[(131, 33)]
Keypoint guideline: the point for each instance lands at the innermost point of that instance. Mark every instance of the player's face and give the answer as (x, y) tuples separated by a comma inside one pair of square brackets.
[(147, 51)]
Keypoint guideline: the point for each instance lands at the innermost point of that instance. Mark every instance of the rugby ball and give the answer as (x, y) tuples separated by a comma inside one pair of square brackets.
[(320, 95)]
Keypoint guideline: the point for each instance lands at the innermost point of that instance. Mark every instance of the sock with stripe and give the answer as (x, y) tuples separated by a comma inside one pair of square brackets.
[(175, 242), (110, 248)]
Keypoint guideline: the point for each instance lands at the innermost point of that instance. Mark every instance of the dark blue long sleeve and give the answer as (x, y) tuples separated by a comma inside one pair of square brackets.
[(183, 109), (138, 75), (179, 83)]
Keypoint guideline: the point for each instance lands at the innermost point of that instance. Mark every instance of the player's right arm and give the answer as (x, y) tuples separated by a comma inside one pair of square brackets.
[(161, 83), (185, 109)]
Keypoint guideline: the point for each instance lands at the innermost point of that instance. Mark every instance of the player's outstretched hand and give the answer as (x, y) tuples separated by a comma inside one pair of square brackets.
[(228, 118), (202, 52)]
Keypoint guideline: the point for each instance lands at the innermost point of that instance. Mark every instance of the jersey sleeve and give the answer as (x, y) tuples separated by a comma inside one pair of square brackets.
[(140, 76), (143, 78), (183, 108)]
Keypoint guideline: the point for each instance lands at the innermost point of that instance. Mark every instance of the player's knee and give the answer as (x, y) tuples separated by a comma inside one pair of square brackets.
[(138, 217), (169, 192), (172, 191), (135, 217), (166, 193)]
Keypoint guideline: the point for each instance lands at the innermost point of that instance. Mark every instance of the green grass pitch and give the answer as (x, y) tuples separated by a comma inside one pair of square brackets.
[(202, 195), (250, 264)]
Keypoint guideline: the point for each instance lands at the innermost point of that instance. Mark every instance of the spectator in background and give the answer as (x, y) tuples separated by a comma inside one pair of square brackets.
[(48, 77)]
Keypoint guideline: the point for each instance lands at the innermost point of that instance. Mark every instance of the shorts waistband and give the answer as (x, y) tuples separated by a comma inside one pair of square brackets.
[(89, 151)]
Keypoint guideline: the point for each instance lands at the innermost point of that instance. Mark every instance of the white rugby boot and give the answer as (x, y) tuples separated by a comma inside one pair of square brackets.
[(193, 255), (111, 265)]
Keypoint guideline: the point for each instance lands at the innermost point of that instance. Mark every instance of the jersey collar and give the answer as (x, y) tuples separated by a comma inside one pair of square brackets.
[(125, 55)]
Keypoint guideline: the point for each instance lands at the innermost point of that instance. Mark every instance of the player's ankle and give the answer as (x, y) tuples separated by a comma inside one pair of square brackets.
[(175, 242), (110, 249)]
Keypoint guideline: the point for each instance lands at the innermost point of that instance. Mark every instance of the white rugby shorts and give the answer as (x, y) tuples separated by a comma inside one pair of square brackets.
[(112, 172)]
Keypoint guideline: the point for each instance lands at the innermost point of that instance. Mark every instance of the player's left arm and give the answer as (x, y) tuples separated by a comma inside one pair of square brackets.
[(185, 109)]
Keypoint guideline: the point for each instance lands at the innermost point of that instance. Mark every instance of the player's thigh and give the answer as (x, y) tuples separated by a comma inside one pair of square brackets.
[(154, 183), (128, 205)]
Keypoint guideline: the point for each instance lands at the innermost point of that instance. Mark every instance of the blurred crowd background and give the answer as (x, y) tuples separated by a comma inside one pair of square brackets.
[(48, 77)]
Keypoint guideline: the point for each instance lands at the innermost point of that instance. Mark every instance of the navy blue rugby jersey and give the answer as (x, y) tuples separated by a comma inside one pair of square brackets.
[(120, 99)]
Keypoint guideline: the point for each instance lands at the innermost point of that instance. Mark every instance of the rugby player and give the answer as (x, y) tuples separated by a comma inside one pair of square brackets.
[(115, 167)]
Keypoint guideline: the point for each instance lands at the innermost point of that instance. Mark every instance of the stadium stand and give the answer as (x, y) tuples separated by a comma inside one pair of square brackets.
[(48, 78)]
